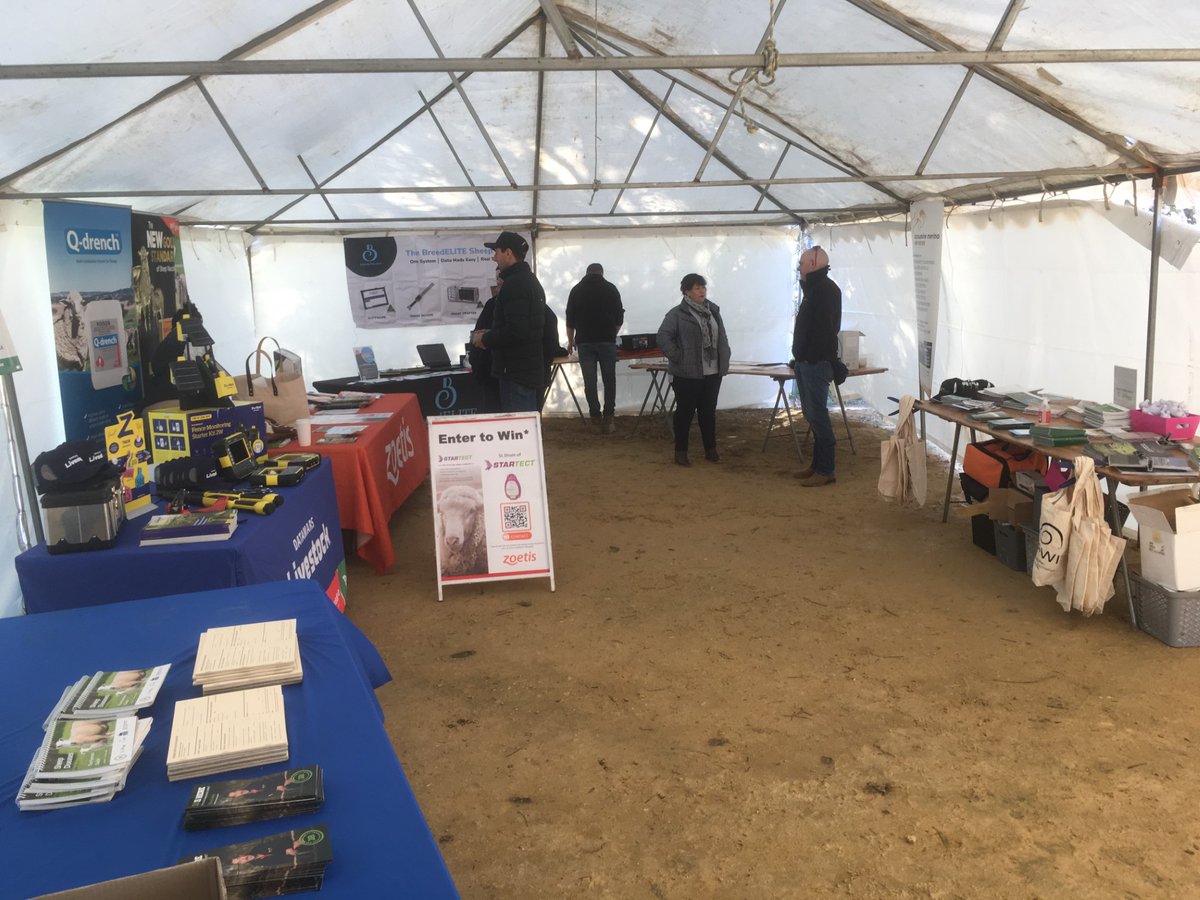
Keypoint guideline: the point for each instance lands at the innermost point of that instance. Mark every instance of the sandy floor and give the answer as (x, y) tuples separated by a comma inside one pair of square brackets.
[(746, 689)]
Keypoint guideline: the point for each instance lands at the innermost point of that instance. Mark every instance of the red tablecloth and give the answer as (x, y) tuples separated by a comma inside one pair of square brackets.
[(375, 474)]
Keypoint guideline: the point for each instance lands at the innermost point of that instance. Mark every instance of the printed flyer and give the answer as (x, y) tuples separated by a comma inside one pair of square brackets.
[(491, 519)]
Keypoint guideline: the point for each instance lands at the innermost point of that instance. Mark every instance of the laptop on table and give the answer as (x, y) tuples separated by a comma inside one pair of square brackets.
[(434, 356)]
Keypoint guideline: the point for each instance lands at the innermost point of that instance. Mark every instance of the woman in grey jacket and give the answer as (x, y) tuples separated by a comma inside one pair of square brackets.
[(692, 337)]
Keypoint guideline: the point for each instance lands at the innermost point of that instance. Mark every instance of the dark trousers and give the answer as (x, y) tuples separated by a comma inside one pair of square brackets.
[(696, 398)]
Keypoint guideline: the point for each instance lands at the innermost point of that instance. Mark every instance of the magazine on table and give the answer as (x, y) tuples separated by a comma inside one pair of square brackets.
[(271, 796), (185, 528), (274, 864), (124, 691)]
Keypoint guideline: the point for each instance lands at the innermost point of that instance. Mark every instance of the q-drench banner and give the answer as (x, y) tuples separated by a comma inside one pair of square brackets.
[(490, 516), (95, 322), (423, 279)]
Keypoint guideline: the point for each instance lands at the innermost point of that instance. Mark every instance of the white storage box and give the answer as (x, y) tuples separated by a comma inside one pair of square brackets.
[(848, 349), (1169, 523)]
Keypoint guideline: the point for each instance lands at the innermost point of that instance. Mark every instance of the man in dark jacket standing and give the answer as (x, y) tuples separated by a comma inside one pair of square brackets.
[(515, 337), (594, 316), (814, 348)]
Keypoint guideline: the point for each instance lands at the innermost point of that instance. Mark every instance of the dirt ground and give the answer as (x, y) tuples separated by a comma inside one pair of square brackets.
[(747, 689)]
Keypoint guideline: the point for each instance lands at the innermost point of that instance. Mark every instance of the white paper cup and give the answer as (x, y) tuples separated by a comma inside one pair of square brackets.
[(304, 432)]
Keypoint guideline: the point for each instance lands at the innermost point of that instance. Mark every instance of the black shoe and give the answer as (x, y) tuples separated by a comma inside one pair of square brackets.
[(681, 458), (712, 455)]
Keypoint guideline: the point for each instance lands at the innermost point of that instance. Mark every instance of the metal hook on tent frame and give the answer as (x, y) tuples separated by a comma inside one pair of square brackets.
[(1104, 186)]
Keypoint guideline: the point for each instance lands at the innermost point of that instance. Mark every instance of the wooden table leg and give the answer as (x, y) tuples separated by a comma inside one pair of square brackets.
[(1124, 566), (950, 477), (845, 420)]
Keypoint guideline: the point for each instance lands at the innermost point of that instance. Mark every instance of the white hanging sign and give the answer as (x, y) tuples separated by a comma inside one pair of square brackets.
[(927, 221), (490, 516)]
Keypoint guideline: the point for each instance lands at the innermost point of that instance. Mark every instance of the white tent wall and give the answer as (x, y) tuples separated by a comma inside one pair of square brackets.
[(217, 267), (1053, 303), (300, 298)]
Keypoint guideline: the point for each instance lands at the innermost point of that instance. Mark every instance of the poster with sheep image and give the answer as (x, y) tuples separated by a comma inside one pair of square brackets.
[(490, 516)]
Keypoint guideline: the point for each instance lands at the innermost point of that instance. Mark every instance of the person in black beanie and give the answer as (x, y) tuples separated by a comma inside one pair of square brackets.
[(515, 337)]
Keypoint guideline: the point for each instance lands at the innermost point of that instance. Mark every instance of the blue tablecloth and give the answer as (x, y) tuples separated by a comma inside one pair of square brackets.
[(301, 539), (381, 844)]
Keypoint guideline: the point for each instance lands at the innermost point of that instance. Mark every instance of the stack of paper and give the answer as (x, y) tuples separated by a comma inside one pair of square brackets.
[(82, 761), (241, 656), (287, 863), (1101, 415), (227, 731), (1057, 435), (109, 695), (270, 796)]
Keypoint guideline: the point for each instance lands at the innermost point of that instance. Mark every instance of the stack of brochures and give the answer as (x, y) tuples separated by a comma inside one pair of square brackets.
[(272, 796), (241, 656), (82, 761), (227, 731), (290, 862), (187, 528), (1057, 435), (107, 695), (1104, 415)]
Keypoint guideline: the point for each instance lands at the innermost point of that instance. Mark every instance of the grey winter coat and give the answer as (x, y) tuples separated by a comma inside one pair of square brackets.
[(681, 342)]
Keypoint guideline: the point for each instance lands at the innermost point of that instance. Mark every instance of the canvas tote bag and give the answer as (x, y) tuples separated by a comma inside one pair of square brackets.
[(281, 391), (902, 472), (1094, 552)]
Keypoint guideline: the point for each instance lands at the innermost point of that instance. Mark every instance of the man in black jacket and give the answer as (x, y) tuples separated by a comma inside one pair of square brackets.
[(594, 315), (515, 337), (814, 348)]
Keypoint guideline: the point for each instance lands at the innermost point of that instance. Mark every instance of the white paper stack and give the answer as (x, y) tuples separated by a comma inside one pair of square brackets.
[(241, 656), (82, 761), (227, 731)]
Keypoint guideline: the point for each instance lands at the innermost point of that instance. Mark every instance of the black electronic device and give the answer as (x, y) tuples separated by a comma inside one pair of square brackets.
[(197, 376), (434, 356), (306, 461), (235, 456), (277, 476), (255, 500)]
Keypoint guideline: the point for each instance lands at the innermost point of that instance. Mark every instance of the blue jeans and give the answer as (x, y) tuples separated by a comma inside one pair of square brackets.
[(812, 382), (516, 397), (606, 355)]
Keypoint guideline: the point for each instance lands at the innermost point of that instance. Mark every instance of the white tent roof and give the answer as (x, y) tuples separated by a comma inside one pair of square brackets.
[(346, 115)]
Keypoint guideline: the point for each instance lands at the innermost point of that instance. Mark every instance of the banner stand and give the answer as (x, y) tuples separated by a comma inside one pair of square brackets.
[(491, 519)]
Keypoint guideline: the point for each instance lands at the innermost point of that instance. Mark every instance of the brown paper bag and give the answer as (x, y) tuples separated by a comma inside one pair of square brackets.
[(281, 390)]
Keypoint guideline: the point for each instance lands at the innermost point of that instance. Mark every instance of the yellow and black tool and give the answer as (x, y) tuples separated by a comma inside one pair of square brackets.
[(256, 500), (306, 461), (277, 476)]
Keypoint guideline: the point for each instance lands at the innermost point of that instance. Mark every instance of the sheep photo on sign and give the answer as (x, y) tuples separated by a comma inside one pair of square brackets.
[(490, 516)]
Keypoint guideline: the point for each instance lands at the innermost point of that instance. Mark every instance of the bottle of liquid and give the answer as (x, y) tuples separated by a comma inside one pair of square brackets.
[(1044, 412)]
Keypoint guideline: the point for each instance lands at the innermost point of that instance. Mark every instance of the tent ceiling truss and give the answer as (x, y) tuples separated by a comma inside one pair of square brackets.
[(593, 46)]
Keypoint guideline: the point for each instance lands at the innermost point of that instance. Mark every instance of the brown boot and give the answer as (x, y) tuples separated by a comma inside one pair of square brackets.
[(681, 458), (818, 480), (806, 472)]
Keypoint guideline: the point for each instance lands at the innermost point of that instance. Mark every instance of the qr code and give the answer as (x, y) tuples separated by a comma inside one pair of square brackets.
[(515, 516)]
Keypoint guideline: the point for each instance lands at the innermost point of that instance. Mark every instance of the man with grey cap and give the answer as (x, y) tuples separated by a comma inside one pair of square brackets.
[(515, 337), (814, 348), (594, 316)]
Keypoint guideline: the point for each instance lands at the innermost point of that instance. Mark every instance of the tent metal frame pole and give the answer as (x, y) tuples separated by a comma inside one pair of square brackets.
[(642, 149), (453, 152), (13, 414), (1152, 311)]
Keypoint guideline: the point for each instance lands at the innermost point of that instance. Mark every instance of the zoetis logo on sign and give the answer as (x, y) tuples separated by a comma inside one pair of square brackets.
[(399, 451), (92, 243)]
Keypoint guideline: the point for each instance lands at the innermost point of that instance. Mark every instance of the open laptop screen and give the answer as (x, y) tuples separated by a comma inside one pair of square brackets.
[(434, 356)]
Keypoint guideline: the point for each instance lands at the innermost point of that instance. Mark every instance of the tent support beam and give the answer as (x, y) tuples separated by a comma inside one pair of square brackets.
[(987, 61), (323, 196), (538, 128), (554, 16), (446, 65), (1152, 309), (747, 77), (450, 146), (775, 171), (619, 42), (653, 100), (314, 12), (233, 138), (645, 140), (998, 38)]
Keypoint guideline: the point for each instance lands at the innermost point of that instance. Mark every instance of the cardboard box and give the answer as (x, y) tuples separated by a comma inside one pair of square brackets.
[(1006, 505), (174, 433), (1169, 538), (848, 349), (199, 880)]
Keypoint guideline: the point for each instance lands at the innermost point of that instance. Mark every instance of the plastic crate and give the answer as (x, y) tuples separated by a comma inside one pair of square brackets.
[(1032, 535), (1171, 616), (1010, 545), (983, 535)]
